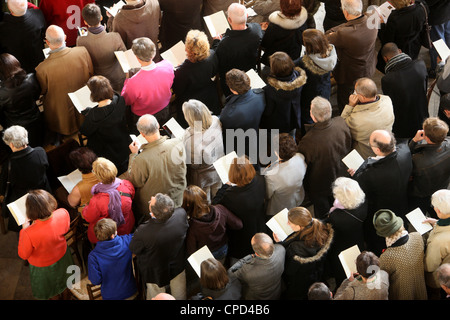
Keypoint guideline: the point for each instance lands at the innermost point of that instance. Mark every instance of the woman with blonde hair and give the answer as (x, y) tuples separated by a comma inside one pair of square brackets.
[(307, 248), (193, 77), (244, 196), (347, 217), (112, 198), (204, 145)]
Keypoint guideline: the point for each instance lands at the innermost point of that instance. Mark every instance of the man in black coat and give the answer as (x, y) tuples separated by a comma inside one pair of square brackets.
[(405, 82), (439, 19), (160, 247), (384, 180), (22, 34), (239, 46)]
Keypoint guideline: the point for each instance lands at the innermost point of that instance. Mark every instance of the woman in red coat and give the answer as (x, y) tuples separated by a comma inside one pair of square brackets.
[(112, 198)]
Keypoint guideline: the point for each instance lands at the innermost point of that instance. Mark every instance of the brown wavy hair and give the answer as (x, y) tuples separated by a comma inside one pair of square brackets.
[(315, 232), (195, 202)]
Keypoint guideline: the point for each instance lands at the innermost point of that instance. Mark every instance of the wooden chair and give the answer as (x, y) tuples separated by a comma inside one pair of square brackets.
[(430, 90), (72, 237), (94, 292), (85, 290)]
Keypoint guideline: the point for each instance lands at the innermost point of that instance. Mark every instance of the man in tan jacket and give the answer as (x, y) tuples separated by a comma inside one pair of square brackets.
[(65, 70), (366, 112), (157, 166)]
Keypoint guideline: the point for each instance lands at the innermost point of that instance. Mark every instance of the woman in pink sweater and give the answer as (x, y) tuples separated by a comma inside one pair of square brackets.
[(148, 91)]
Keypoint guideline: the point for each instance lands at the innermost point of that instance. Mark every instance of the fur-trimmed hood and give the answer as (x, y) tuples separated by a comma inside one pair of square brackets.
[(318, 65), (322, 252), (279, 84), (296, 22)]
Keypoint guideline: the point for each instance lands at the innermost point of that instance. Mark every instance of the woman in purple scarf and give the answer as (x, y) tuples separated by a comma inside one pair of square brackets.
[(111, 198)]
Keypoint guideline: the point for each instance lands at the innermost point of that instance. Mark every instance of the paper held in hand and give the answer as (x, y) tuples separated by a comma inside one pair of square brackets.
[(348, 260), (279, 225), (442, 49), (385, 10), (255, 80), (198, 257), (416, 217), (81, 99), (127, 60), (353, 160), (70, 181), (174, 129), (223, 164), (139, 139), (217, 23), (115, 8), (18, 210), (175, 55)]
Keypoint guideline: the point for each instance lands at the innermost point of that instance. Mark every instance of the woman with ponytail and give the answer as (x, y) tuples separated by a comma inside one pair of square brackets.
[(306, 250)]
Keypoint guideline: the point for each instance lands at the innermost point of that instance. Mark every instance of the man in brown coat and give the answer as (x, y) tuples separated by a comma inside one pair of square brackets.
[(101, 46), (324, 145), (355, 46), (65, 70)]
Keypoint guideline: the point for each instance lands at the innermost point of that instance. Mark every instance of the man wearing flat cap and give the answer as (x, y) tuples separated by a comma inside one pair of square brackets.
[(403, 257)]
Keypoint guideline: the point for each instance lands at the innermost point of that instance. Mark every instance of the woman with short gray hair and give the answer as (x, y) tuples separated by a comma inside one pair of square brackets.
[(347, 217), (24, 170), (203, 142)]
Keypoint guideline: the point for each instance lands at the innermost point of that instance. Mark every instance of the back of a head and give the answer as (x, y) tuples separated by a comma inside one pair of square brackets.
[(353, 7), (435, 129), (384, 140), (441, 200), (348, 192), (241, 171), (367, 264), (399, 4), (197, 46), (17, 135), (105, 228), (315, 42), (104, 170), (92, 14), (11, 72), (17, 7), (443, 275), (444, 103), (321, 109), (147, 124), (319, 291), (287, 146), (144, 49), (197, 115), (237, 80), (281, 64), (55, 35), (390, 50), (163, 208), (213, 274), (83, 158), (237, 13), (263, 245), (291, 8), (100, 88), (195, 201), (313, 232), (366, 87)]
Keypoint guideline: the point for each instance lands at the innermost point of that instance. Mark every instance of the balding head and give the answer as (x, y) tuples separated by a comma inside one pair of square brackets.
[(147, 125), (389, 51), (237, 15), (367, 88), (262, 244), (55, 37), (382, 142), (353, 8), (17, 7)]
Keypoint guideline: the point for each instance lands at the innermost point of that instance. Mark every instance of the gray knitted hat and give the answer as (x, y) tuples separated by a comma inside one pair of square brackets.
[(386, 222)]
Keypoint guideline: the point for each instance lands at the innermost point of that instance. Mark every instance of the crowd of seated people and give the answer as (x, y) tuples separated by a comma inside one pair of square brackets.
[(150, 197)]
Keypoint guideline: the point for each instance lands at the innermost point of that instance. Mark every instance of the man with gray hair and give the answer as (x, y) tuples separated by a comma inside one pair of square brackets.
[(443, 273), (365, 112), (149, 90), (65, 70), (22, 34), (260, 273), (238, 48), (25, 169), (325, 143), (159, 245), (355, 46), (156, 166)]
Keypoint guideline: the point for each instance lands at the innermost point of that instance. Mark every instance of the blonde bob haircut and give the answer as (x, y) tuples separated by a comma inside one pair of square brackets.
[(197, 46), (104, 170), (348, 192), (196, 111)]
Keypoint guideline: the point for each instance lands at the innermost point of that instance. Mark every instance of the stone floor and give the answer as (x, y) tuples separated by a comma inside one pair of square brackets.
[(14, 274)]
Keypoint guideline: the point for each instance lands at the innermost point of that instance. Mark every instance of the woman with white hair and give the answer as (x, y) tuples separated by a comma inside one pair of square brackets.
[(347, 218), (24, 170), (204, 145)]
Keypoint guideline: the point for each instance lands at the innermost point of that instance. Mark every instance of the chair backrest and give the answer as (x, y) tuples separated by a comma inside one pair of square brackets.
[(94, 291)]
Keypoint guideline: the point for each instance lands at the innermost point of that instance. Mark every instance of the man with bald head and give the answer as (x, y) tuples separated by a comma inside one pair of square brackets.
[(65, 70), (238, 49), (260, 273), (384, 179), (22, 34), (365, 112), (156, 166)]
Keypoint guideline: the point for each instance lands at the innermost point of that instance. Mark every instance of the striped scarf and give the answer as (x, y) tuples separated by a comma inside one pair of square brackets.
[(393, 61)]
